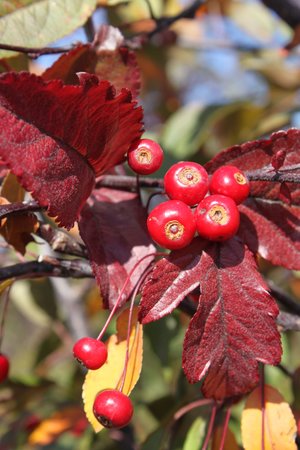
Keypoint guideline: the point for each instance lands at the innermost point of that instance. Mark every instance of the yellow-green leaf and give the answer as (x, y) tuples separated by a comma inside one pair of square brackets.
[(279, 424), (43, 22), (9, 6), (110, 374)]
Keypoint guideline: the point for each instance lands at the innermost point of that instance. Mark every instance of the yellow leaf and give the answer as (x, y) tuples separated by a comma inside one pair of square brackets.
[(11, 189), (109, 375), (279, 425), (230, 441), (5, 284)]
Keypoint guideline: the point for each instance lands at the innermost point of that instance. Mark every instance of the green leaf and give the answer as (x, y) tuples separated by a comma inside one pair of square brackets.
[(190, 126), (42, 22), (195, 435)]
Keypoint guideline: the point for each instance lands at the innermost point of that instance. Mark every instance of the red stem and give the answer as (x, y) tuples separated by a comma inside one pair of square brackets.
[(187, 408), (263, 405), (123, 376), (210, 427), (4, 312), (226, 422), (116, 305)]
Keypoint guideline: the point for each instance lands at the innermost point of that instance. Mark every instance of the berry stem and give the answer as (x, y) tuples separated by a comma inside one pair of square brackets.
[(187, 408), (121, 382), (210, 427), (4, 312), (116, 305), (263, 405), (225, 428)]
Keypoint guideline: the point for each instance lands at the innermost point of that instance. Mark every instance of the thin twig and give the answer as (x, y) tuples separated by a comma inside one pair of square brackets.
[(187, 13), (89, 29), (127, 182), (75, 268), (35, 52), (287, 175), (282, 297)]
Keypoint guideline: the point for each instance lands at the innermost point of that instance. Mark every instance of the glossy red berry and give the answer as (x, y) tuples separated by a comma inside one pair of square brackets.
[(230, 181), (112, 408), (4, 367), (217, 218), (145, 156), (171, 224), (90, 352), (186, 181)]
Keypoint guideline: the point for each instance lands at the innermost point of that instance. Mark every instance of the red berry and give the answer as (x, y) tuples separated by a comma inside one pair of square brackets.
[(145, 156), (186, 181), (217, 218), (230, 181), (171, 224), (4, 367), (90, 352), (112, 408)]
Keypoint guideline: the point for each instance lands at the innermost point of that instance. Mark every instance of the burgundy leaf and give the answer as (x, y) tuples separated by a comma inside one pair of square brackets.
[(106, 57), (270, 221), (113, 229), (258, 155), (234, 326), (172, 278), (273, 230), (57, 138), (278, 159)]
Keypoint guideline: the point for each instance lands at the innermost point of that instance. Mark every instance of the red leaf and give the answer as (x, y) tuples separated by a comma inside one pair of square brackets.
[(106, 57), (57, 138), (272, 230), (270, 223), (234, 326), (113, 229), (172, 278)]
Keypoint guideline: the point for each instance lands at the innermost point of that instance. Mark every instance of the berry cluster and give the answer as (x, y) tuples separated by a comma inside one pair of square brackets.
[(197, 203)]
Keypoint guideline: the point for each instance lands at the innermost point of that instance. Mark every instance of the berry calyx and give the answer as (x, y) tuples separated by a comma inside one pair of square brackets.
[(230, 181), (145, 157), (112, 408), (90, 352), (186, 181), (217, 218), (171, 224), (4, 367)]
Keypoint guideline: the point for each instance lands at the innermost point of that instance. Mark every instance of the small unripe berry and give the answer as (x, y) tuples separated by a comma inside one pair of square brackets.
[(171, 224), (112, 408), (90, 352), (145, 157), (186, 181), (230, 181), (217, 218), (4, 367)]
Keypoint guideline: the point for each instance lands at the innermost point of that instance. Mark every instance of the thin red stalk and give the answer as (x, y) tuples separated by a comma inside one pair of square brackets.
[(210, 427), (4, 312), (135, 292), (225, 428), (263, 406), (116, 305), (187, 408)]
